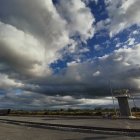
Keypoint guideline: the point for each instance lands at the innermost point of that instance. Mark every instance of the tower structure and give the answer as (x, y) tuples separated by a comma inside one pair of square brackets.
[(125, 110)]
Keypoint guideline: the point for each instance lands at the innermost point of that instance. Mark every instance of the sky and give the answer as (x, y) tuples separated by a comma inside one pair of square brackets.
[(64, 53)]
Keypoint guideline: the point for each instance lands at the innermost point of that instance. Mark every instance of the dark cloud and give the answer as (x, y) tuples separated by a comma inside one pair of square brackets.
[(90, 79), (32, 35)]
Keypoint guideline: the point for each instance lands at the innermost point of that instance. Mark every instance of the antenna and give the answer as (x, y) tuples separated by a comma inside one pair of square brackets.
[(111, 91), (134, 103)]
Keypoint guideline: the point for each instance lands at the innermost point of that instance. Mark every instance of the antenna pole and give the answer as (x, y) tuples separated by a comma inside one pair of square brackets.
[(112, 97), (134, 103)]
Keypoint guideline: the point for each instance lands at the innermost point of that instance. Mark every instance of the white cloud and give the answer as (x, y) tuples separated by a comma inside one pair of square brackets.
[(89, 1), (123, 14), (30, 41), (84, 50), (118, 45), (73, 63), (21, 51), (135, 32), (97, 73), (95, 102), (121, 67), (103, 24), (6, 82), (97, 47), (131, 41), (73, 12)]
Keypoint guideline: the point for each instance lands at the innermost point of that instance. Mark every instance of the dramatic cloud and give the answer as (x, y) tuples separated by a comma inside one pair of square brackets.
[(42, 101), (56, 53), (20, 51), (91, 78), (30, 37), (122, 67)]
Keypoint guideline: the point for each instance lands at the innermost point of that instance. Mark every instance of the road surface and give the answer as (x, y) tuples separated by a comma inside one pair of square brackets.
[(14, 132), (9, 131), (117, 123)]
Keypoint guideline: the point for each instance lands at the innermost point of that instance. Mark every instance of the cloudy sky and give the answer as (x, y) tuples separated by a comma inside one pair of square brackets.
[(63, 53)]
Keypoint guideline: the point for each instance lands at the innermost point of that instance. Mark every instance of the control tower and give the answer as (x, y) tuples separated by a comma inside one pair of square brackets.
[(125, 110)]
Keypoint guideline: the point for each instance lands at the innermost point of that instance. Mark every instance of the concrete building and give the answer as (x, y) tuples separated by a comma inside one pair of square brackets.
[(125, 110)]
